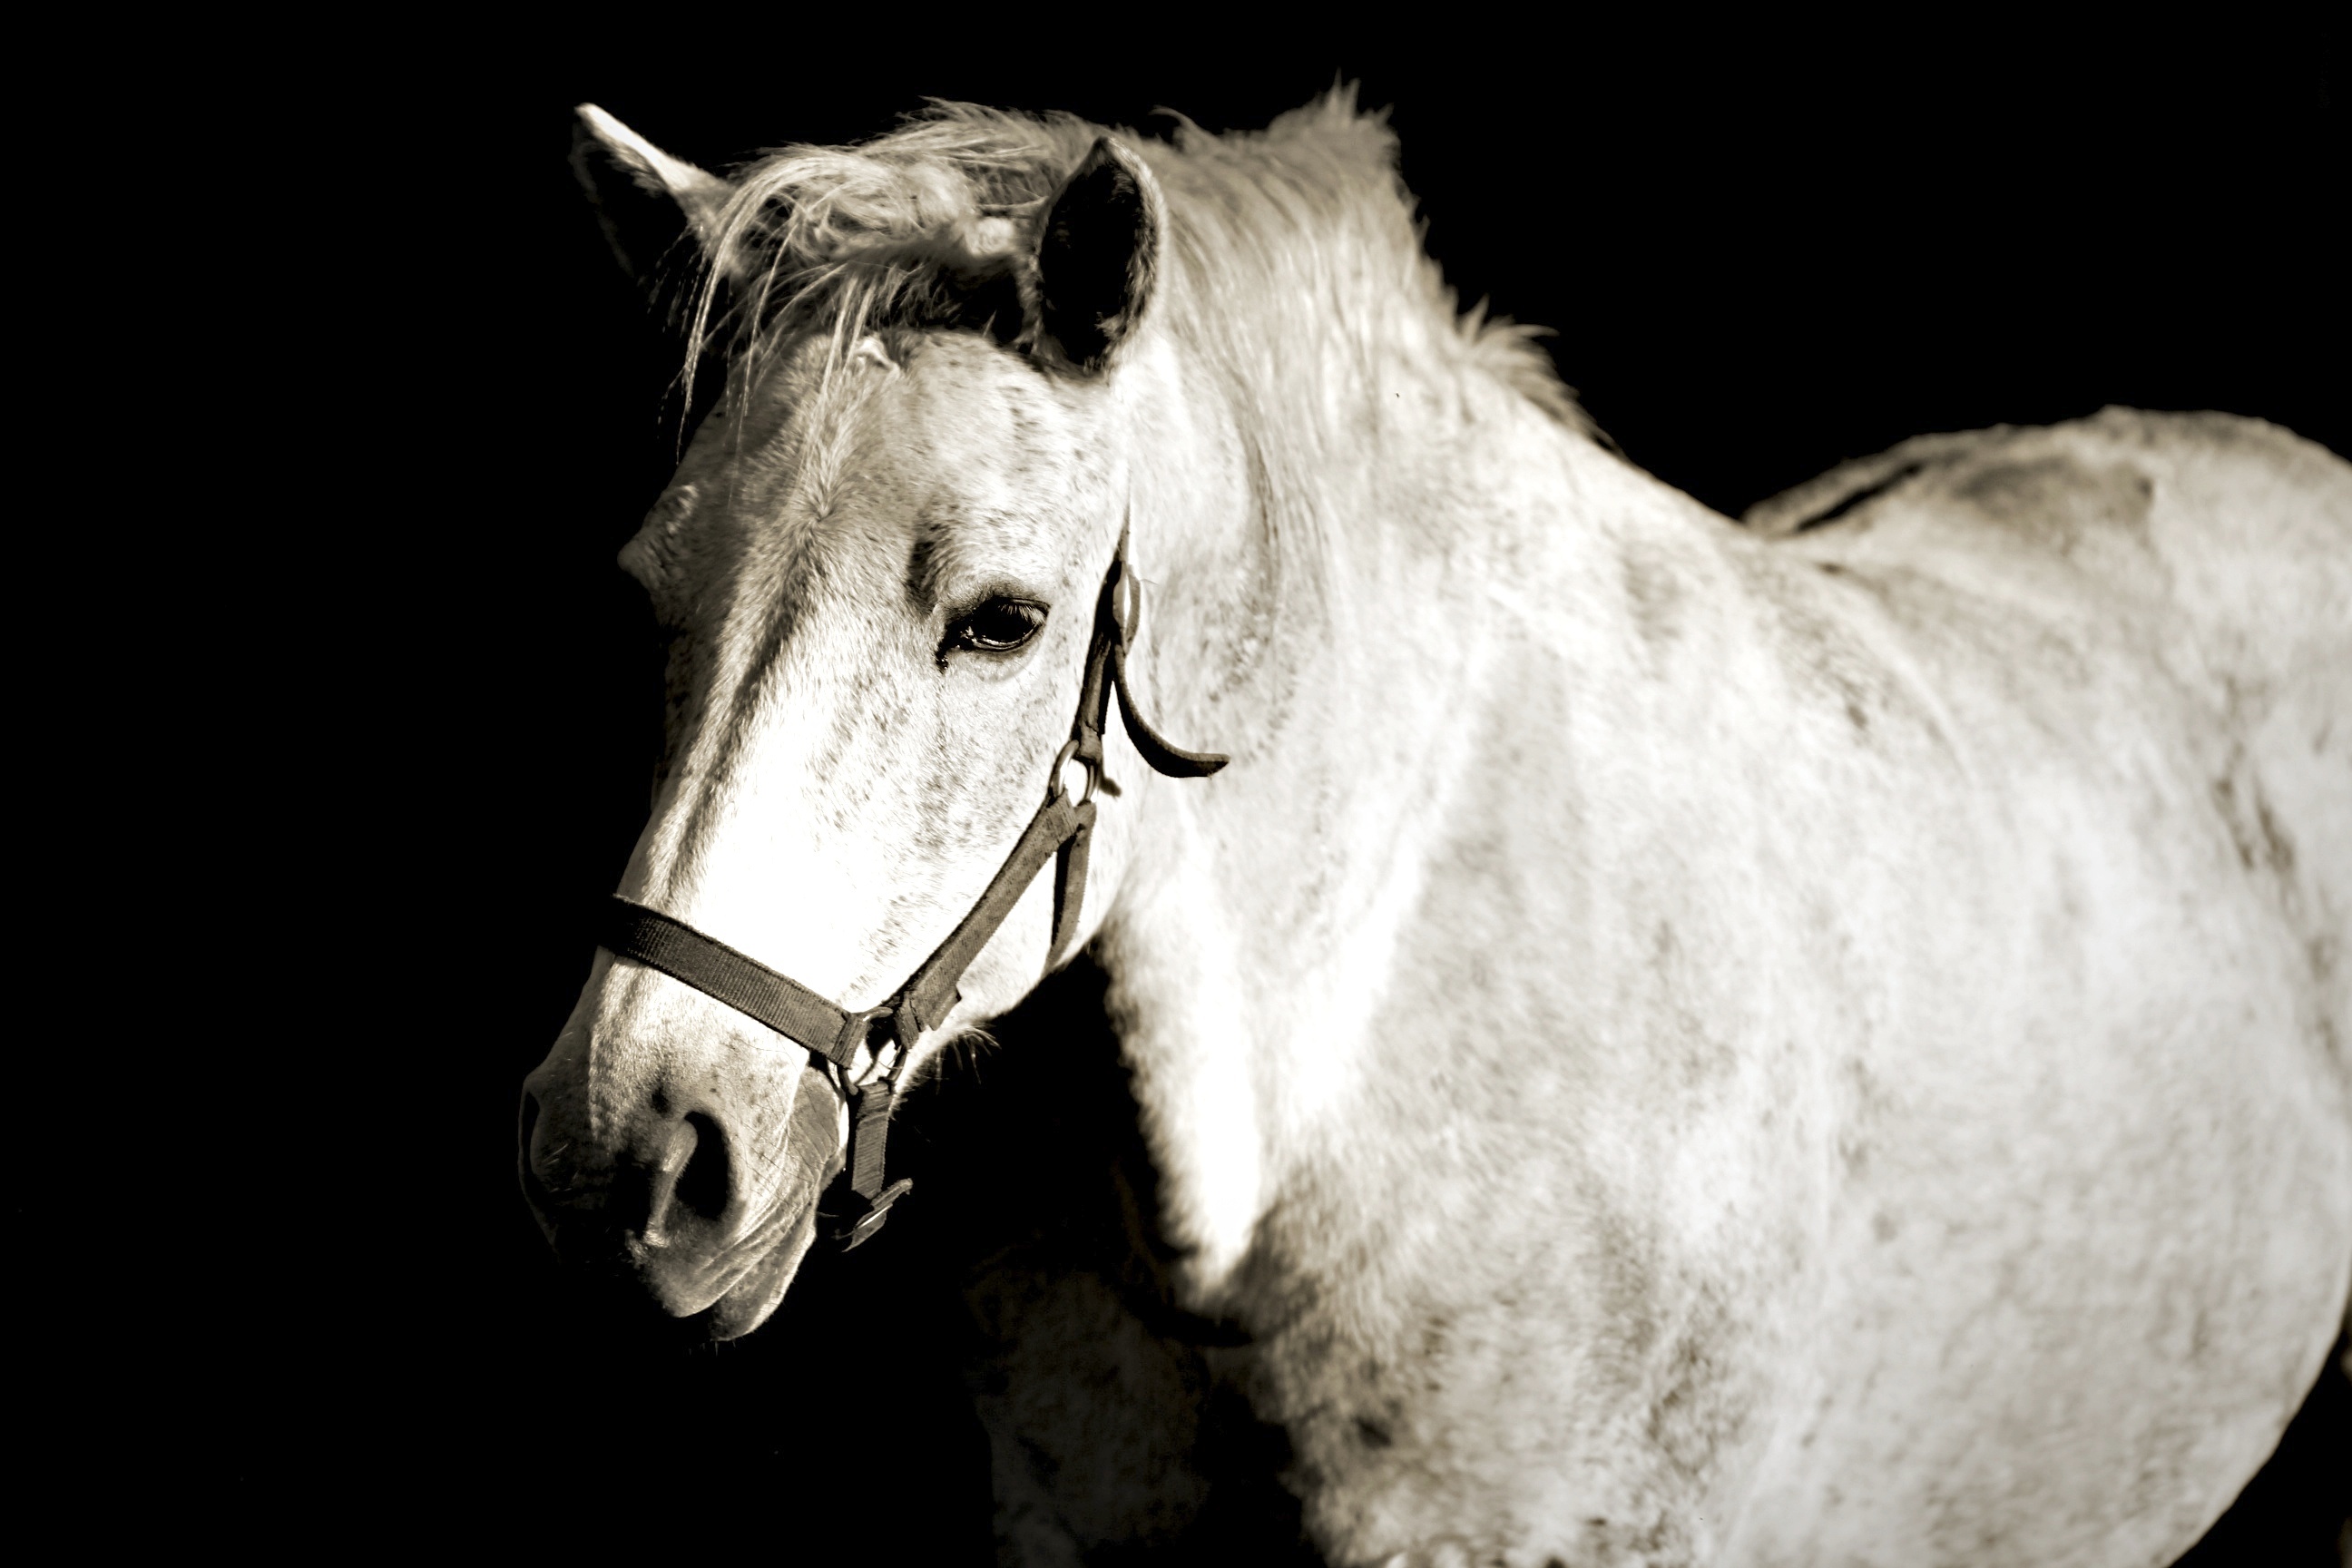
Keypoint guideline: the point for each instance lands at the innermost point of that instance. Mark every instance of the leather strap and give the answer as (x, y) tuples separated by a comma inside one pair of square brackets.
[(742, 982), (1062, 831)]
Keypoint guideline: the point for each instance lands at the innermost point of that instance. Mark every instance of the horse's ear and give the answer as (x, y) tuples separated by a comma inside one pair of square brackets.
[(644, 197), (1098, 256)]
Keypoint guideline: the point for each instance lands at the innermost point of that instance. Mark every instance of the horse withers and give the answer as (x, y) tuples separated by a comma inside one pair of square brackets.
[(1823, 1040)]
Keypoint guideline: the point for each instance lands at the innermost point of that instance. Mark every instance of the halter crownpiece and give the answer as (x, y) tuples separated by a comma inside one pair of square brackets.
[(868, 1051)]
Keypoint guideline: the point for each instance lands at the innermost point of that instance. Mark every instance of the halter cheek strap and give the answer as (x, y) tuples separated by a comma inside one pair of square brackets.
[(870, 1050)]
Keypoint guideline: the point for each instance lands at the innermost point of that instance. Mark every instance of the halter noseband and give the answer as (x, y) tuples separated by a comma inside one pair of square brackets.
[(886, 1034)]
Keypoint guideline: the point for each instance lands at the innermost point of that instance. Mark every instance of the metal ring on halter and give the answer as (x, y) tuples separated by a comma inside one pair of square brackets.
[(1062, 759), (882, 1063)]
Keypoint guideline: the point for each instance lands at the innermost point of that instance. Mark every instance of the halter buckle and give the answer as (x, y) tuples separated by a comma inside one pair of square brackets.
[(860, 1230)]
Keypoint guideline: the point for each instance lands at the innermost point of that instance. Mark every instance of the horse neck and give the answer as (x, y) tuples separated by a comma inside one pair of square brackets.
[(1259, 924)]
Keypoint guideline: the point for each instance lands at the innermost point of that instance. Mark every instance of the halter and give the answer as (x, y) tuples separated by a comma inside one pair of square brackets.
[(884, 1034)]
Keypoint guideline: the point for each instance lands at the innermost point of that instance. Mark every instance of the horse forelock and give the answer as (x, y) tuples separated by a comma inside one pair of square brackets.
[(1296, 250), (911, 228)]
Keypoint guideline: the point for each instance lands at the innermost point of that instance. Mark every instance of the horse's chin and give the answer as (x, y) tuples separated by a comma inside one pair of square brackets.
[(724, 1292), (750, 1301)]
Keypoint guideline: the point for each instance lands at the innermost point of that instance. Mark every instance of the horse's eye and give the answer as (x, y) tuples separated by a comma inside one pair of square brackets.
[(999, 625)]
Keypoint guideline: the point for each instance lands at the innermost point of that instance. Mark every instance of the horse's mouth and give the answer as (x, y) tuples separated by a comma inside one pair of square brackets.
[(754, 1296), (732, 1292)]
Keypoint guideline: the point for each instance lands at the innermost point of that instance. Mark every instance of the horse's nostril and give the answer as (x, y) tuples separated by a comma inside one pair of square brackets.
[(702, 1187)]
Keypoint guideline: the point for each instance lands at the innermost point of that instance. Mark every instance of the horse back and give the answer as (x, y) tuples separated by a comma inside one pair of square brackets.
[(2242, 530), (2212, 550)]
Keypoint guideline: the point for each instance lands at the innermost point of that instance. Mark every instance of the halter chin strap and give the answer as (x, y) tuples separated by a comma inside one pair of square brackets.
[(870, 1050)]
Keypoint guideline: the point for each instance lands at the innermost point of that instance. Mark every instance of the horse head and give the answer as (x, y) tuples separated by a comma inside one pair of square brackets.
[(889, 570)]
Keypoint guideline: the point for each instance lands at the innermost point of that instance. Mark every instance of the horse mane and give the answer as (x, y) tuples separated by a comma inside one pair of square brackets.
[(934, 224)]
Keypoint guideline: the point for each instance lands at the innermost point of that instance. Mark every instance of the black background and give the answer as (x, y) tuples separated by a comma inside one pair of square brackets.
[(1763, 250)]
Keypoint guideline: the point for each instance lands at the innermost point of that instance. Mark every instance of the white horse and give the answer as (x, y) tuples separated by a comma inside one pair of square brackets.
[(1822, 1041)]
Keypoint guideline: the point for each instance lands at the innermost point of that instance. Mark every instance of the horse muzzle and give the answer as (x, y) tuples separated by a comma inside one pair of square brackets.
[(685, 1195)]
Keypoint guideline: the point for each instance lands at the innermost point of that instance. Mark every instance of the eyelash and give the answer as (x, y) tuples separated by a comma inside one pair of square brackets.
[(984, 629)]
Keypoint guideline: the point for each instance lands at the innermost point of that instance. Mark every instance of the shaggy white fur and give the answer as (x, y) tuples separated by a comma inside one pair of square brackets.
[(1824, 1041)]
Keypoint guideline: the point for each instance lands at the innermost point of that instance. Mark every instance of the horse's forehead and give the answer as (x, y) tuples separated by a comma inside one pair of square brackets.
[(942, 428), (974, 415), (937, 466), (966, 456)]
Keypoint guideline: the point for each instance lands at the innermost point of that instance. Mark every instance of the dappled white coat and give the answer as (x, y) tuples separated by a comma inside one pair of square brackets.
[(1787, 1050), (1683, 1042)]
